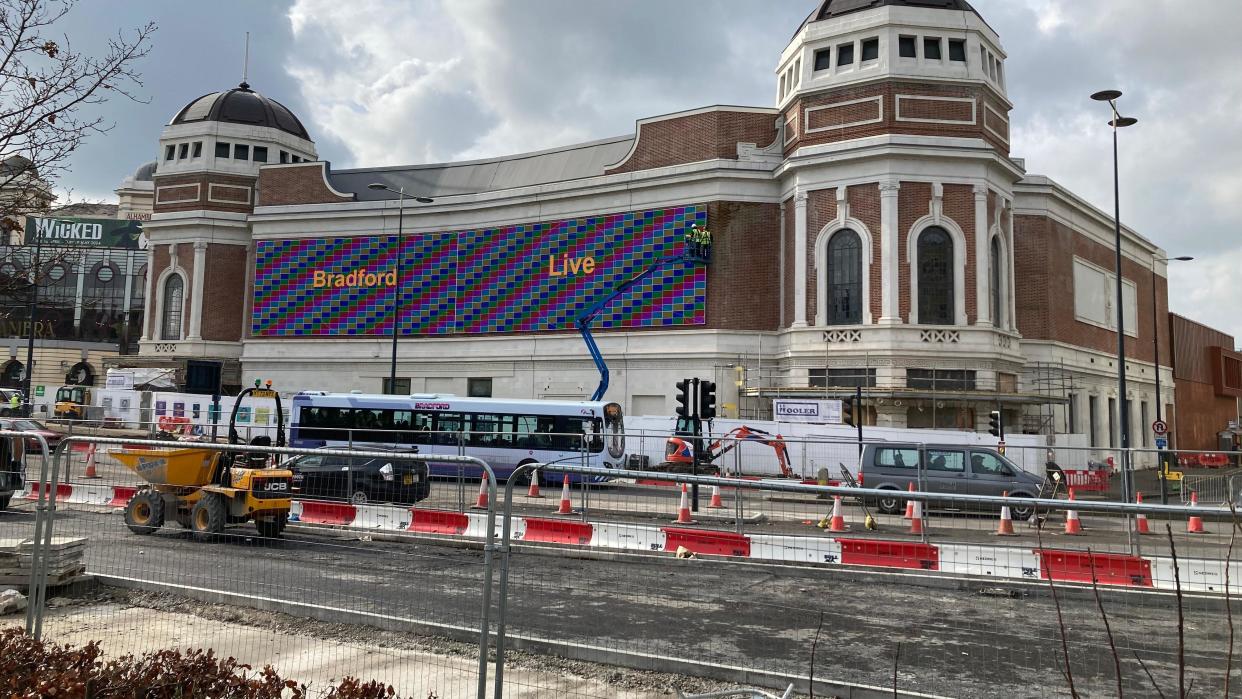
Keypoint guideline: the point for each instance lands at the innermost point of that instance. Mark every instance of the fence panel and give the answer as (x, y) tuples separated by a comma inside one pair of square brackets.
[(344, 590)]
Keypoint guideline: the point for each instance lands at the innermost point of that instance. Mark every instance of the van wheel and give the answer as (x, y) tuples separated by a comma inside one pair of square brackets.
[(889, 506), (359, 497), (1021, 513)]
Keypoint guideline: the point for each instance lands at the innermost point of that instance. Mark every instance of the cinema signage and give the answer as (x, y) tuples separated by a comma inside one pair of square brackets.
[(84, 232)]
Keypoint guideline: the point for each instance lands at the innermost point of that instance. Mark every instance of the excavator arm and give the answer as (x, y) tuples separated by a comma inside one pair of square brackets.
[(729, 441)]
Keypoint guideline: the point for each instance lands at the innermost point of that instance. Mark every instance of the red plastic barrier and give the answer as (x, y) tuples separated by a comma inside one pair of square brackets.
[(710, 543), (1110, 568), (652, 481), (1213, 460), (1094, 480), (316, 512), (889, 554), (63, 491), (121, 495), (556, 531), (438, 522)]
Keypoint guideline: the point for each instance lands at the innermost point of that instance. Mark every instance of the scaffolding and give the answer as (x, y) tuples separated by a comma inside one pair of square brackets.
[(1054, 381)]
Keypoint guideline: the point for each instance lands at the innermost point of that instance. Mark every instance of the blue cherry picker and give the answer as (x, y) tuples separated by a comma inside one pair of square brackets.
[(695, 251)]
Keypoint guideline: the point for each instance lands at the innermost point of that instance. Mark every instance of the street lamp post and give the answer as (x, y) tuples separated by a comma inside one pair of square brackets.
[(1123, 405), (396, 287), (1155, 341)]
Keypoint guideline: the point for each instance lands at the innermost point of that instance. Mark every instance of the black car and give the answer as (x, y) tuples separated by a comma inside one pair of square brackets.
[(359, 479)]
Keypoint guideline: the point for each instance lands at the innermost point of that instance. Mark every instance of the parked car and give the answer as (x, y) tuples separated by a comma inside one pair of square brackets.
[(10, 473), (952, 469), (359, 479), (25, 424)]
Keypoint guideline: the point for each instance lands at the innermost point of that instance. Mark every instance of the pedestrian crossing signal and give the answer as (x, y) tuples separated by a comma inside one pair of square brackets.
[(996, 424), (684, 406)]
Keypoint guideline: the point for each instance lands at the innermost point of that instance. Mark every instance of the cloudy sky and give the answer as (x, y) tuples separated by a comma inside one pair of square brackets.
[(386, 82)]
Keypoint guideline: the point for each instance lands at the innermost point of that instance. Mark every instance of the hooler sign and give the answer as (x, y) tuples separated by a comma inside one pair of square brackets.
[(526, 277)]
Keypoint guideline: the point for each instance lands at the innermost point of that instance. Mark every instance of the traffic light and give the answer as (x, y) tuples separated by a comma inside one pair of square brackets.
[(707, 400), (996, 424), (684, 407), (847, 412)]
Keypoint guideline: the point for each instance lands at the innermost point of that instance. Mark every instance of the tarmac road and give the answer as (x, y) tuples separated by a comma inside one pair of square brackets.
[(954, 642)]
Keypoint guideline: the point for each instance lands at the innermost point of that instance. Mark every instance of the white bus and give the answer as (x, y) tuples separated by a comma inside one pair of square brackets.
[(504, 433)]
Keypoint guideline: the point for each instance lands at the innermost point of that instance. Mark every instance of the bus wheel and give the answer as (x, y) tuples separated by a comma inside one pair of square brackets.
[(524, 477)]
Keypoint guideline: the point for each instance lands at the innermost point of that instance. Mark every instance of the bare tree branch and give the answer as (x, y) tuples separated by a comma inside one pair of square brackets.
[(1095, 588), (1181, 620)]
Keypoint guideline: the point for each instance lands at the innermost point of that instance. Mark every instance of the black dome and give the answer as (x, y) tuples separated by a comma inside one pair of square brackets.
[(835, 8), (241, 105)]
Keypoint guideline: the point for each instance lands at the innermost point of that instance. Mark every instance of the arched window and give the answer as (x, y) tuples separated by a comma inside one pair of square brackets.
[(935, 251), (996, 283), (844, 291), (174, 293)]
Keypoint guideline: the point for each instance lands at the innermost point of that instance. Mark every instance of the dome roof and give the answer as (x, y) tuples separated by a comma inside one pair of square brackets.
[(18, 165), (145, 172), (835, 8), (241, 105)]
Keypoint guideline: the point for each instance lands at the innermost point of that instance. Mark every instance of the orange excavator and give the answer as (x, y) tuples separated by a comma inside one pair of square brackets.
[(679, 451)]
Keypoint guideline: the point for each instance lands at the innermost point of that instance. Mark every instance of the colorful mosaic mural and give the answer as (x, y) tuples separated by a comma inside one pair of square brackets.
[(521, 278)]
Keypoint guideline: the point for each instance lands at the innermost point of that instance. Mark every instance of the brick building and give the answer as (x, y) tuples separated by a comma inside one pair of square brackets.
[(1207, 374), (871, 228)]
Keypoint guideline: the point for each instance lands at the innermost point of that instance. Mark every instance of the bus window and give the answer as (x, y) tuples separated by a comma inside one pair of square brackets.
[(571, 429), (448, 427), (422, 426), (483, 427), (525, 428)]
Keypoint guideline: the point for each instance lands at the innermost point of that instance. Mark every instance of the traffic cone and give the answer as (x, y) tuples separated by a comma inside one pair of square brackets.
[(838, 520), (715, 504), (916, 521), (1194, 525), (909, 503), (90, 462), (1073, 527), (533, 491), (683, 510), (566, 507), (1005, 528), (1140, 520), (481, 502)]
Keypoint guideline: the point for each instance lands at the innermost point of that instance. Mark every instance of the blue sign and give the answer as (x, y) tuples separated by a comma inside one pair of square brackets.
[(1162, 443)]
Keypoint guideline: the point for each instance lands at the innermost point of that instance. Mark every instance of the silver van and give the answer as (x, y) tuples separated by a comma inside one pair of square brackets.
[(954, 469)]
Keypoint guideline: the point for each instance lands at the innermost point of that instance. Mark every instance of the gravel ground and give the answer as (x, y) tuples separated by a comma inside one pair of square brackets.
[(117, 617)]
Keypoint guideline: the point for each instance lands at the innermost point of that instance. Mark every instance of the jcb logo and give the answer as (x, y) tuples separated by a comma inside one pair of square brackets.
[(275, 485)]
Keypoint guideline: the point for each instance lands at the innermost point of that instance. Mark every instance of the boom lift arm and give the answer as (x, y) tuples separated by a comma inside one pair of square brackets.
[(591, 313)]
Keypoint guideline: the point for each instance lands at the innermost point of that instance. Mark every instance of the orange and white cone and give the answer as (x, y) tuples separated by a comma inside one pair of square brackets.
[(909, 503), (1005, 528), (1194, 525), (533, 491), (90, 462), (481, 502), (1140, 520), (916, 521), (715, 504), (838, 519), (683, 509), (566, 507), (1073, 527)]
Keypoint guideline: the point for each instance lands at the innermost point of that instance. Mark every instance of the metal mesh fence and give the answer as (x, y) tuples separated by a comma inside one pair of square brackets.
[(644, 583)]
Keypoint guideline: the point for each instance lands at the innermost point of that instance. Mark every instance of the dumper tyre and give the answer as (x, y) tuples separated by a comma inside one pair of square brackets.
[(272, 527), (145, 512), (208, 517)]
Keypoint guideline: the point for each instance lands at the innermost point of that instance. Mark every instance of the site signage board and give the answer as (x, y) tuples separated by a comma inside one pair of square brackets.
[(824, 412)]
